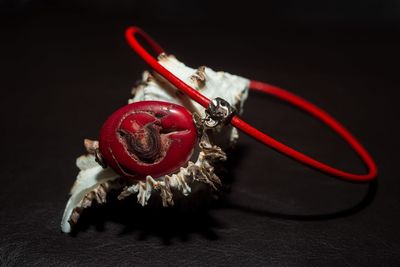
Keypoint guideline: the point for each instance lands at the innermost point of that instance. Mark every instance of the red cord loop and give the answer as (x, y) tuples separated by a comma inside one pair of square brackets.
[(253, 132)]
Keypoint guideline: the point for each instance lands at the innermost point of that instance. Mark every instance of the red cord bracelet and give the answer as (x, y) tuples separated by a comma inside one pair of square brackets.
[(253, 132)]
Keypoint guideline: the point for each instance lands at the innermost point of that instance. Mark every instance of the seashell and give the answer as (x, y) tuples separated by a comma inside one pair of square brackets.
[(94, 181)]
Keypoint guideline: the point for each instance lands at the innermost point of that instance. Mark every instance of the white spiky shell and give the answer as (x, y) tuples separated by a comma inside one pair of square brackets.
[(93, 182)]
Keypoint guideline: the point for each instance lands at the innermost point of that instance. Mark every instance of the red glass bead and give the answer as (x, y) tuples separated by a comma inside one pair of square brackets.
[(147, 138)]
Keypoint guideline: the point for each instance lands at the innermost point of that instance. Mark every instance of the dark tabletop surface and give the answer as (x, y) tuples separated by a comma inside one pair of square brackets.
[(64, 72)]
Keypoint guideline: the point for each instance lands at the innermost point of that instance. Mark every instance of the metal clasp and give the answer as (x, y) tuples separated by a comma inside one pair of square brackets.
[(219, 112)]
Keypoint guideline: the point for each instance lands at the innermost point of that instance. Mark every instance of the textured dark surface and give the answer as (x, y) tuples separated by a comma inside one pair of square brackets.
[(63, 73)]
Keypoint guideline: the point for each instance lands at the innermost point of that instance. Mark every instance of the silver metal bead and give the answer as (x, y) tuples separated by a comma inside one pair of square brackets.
[(219, 112)]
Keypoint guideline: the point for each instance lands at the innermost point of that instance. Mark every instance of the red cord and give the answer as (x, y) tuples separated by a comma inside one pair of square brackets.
[(130, 36), (319, 114), (253, 132)]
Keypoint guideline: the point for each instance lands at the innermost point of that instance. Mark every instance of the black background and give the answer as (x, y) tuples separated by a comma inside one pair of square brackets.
[(65, 66)]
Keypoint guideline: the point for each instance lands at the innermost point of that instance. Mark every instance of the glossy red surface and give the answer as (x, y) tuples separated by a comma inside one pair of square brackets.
[(147, 138)]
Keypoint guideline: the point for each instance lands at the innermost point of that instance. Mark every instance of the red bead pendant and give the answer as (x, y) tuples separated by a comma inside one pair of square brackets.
[(147, 138)]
